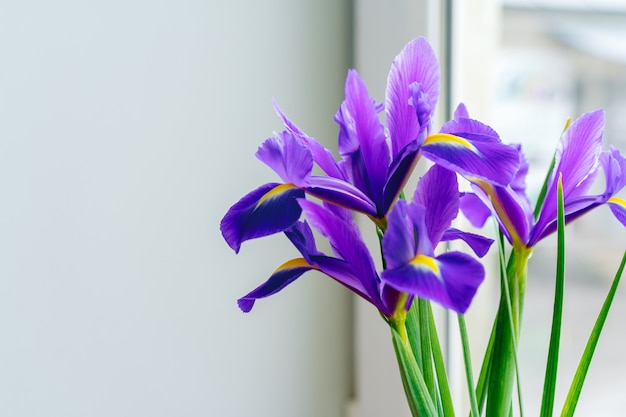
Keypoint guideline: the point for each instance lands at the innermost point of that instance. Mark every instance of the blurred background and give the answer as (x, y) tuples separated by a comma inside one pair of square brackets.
[(128, 128)]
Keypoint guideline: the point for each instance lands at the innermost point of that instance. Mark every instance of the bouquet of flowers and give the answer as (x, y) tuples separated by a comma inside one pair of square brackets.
[(417, 267)]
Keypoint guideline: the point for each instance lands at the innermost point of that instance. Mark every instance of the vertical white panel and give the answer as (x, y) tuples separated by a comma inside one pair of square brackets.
[(127, 129)]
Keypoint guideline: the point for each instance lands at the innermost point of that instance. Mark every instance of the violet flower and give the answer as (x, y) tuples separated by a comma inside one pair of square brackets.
[(373, 168), (579, 158)]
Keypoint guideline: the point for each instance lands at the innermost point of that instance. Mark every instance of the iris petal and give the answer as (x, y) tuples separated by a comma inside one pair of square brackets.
[(283, 276), (322, 156), (577, 159), (438, 191), (514, 217), (362, 142), (399, 173), (416, 63), (287, 157), (462, 276), (269, 209), (618, 208), (451, 279), (479, 244), (472, 154), (474, 209), (398, 241), (346, 241), (301, 236), (341, 193)]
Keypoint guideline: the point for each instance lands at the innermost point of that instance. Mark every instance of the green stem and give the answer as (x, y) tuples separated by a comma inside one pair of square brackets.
[(468, 365), (419, 400), (508, 323)]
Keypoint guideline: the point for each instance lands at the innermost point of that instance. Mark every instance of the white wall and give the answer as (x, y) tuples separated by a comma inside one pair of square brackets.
[(127, 128)]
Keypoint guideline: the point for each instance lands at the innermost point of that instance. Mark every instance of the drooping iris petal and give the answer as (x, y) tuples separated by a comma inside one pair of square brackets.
[(287, 157), (614, 167), (514, 217), (416, 63), (472, 149), (283, 276), (438, 191), (346, 241), (474, 209), (618, 208), (479, 244), (269, 209), (341, 193), (451, 279), (362, 142), (462, 276), (322, 156)]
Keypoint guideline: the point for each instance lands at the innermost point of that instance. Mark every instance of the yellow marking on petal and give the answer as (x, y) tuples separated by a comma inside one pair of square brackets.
[(619, 201), (275, 191), (426, 261), (499, 209), (295, 263), (448, 139)]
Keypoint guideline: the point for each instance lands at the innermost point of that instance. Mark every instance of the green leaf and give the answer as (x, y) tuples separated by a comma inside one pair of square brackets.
[(549, 385), (418, 397), (485, 370), (504, 368), (468, 366), (579, 378), (440, 368), (427, 363), (412, 325)]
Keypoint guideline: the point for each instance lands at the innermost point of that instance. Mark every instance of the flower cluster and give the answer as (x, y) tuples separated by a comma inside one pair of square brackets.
[(376, 162)]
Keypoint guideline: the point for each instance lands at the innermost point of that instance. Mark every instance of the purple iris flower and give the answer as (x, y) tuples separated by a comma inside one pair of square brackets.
[(374, 167), (579, 158), (415, 229)]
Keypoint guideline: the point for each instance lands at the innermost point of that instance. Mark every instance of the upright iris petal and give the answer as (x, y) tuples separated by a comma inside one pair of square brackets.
[(577, 159), (412, 93), (438, 192), (362, 142)]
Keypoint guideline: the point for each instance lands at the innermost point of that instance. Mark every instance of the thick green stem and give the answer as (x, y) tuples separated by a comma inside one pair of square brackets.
[(415, 388)]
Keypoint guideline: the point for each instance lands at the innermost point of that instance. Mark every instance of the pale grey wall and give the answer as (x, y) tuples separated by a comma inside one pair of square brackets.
[(127, 128)]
